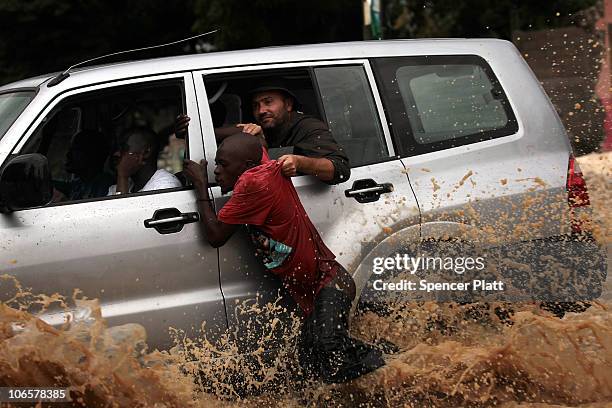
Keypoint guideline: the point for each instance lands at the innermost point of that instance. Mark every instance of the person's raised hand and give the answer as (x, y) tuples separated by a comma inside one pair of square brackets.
[(130, 163), (289, 164), (251, 129), (181, 123), (196, 173)]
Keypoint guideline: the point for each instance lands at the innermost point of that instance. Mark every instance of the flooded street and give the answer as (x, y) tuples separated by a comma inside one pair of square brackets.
[(468, 356), (449, 355), (597, 169)]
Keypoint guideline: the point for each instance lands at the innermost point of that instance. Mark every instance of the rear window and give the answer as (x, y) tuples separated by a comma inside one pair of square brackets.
[(11, 106), (441, 102)]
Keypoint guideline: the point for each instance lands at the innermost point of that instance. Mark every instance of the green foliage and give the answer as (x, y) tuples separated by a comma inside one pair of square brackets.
[(40, 36), (258, 23), (477, 18)]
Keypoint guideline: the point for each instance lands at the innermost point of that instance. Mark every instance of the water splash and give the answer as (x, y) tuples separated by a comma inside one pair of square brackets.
[(480, 354)]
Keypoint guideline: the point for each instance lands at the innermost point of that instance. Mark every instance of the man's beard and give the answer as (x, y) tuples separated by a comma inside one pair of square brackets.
[(275, 128), (268, 126), (271, 124)]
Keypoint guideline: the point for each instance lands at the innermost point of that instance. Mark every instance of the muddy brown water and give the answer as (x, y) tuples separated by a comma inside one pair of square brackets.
[(450, 355)]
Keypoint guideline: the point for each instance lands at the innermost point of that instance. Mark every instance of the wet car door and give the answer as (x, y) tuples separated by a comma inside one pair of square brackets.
[(140, 253), (354, 216)]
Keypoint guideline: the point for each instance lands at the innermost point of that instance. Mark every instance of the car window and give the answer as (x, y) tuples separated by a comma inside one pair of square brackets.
[(351, 113), (230, 99), (85, 136), (440, 102), (11, 106), (229, 95), (449, 101), (338, 95)]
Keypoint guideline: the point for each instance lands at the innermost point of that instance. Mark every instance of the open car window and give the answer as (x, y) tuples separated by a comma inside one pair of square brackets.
[(338, 95), (82, 137)]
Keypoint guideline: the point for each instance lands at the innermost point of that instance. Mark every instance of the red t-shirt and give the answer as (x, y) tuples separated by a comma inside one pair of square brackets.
[(282, 233)]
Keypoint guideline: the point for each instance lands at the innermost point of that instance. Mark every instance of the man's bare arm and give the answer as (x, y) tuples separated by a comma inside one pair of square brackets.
[(320, 167), (217, 232), (129, 164)]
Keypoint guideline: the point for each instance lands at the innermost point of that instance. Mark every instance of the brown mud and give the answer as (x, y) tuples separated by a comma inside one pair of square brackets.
[(450, 355)]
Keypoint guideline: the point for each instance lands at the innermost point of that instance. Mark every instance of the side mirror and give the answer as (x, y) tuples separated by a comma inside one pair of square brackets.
[(25, 182)]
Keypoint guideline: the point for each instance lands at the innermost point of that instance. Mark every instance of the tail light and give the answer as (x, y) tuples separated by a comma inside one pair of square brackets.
[(577, 195)]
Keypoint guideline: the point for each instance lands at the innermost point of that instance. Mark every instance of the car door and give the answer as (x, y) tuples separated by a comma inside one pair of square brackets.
[(353, 217), (140, 254)]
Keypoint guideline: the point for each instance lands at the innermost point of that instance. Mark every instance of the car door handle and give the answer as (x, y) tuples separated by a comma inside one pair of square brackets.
[(368, 190), (377, 189), (170, 220), (184, 218)]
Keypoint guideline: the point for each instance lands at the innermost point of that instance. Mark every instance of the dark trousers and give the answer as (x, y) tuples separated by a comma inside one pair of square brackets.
[(327, 352)]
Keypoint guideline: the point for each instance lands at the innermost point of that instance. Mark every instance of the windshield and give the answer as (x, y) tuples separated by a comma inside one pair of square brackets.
[(11, 106)]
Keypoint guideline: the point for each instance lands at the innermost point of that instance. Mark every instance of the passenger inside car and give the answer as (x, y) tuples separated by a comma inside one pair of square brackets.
[(85, 161), (135, 161), (303, 143)]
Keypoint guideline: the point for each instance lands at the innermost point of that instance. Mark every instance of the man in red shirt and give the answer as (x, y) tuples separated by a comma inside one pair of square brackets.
[(291, 248)]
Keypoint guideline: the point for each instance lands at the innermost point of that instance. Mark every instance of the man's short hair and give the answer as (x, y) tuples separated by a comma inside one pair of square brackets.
[(244, 147)]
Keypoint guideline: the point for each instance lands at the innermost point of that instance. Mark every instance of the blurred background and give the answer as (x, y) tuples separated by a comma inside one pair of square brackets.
[(566, 42)]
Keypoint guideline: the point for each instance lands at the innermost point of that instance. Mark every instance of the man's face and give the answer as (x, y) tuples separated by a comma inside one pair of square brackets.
[(227, 169), (129, 146), (271, 108)]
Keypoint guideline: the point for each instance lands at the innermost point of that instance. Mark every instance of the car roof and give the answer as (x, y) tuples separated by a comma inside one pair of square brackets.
[(268, 55)]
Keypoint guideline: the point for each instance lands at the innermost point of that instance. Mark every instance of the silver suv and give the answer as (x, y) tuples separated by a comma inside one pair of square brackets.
[(449, 140)]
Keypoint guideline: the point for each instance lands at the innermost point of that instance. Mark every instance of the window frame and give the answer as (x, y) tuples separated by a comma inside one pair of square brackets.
[(401, 128), (208, 131), (194, 146)]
